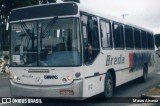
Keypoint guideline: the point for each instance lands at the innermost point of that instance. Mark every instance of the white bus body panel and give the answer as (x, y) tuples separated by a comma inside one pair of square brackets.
[(40, 84), (45, 75), (92, 83)]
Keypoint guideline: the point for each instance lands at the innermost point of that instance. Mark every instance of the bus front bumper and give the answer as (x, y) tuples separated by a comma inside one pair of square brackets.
[(73, 90)]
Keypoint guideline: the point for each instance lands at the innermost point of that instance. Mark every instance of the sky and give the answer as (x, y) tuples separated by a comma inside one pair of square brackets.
[(145, 13)]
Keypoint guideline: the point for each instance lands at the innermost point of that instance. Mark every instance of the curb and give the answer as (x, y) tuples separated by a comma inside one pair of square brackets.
[(149, 96), (151, 93)]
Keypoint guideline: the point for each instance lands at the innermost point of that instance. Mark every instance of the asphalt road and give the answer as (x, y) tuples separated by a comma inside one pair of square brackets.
[(131, 89)]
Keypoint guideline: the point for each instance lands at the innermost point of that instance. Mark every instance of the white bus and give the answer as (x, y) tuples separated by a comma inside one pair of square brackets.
[(65, 50)]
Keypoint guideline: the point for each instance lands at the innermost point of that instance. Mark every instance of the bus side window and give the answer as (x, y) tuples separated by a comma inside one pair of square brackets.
[(150, 41), (106, 37), (118, 35), (90, 38), (144, 40), (129, 37), (137, 38)]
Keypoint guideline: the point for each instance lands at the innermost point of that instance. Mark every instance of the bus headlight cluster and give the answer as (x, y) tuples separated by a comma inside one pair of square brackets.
[(16, 78), (69, 78)]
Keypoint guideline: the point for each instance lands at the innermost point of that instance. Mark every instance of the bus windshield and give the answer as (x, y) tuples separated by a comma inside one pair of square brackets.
[(53, 42)]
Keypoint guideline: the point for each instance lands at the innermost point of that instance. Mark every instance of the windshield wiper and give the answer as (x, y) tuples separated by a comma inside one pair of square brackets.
[(48, 27), (27, 31)]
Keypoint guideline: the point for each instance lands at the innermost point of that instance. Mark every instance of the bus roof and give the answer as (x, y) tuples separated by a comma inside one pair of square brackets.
[(43, 11), (111, 18), (68, 8)]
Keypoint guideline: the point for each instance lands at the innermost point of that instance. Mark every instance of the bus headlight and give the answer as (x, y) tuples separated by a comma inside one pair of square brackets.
[(14, 77), (18, 79), (64, 80), (70, 78)]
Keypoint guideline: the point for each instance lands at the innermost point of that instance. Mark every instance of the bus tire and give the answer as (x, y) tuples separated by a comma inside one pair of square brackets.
[(108, 85), (145, 73)]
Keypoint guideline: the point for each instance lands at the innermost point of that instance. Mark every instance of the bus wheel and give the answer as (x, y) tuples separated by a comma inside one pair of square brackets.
[(108, 85), (145, 73)]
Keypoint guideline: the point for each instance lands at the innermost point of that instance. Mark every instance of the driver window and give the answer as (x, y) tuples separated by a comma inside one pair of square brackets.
[(90, 38)]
